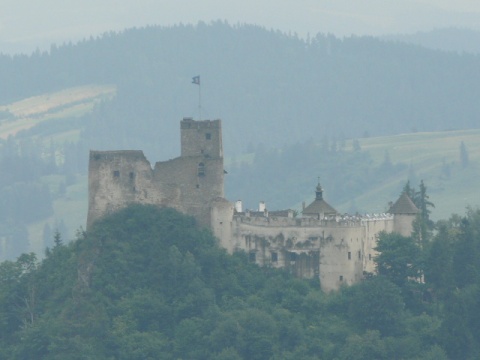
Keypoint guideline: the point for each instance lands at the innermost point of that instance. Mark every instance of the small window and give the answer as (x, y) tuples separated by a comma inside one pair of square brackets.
[(201, 169), (359, 255), (293, 256), (369, 256), (131, 175), (198, 186), (252, 257), (274, 257), (116, 173), (208, 136), (340, 278), (349, 255)]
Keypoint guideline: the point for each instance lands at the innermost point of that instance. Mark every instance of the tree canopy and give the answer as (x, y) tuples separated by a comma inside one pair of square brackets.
[(146, 283)]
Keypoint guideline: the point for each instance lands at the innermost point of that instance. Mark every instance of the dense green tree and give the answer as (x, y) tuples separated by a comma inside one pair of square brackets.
[(364, 347), (377, 304), (466, 268), (407, 189), (399, 258), (461, 327), (423, 203), (422, 225), (439, 273)]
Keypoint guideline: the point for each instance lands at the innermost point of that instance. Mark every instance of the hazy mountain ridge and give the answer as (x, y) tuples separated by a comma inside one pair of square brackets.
[(447, 39), (267, 86)]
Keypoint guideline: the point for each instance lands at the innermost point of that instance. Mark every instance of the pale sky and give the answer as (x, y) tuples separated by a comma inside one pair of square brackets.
[(27, 24)]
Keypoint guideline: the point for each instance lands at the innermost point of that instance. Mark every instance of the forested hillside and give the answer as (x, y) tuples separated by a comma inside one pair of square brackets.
[(361, 175), (447, 39), (145, 283), (294, 106), (267, 86)]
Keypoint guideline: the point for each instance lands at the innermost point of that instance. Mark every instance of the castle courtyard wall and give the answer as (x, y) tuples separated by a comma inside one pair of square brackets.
[(336, 251)]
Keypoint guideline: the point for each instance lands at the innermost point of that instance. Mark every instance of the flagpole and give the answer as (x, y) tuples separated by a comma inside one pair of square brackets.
[(199, 101), (196, 81)]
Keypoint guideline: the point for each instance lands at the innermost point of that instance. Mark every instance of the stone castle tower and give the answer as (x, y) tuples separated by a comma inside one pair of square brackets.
[(188, 183)]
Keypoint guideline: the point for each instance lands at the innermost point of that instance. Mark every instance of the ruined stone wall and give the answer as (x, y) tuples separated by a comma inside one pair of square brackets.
[(119, 178), (188, 183), (199, 180)]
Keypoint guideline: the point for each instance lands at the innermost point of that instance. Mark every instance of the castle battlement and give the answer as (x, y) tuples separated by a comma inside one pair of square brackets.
[(117, 154), (189, 123), (271, 219)]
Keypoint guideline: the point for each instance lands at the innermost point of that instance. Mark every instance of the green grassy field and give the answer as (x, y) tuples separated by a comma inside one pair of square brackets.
[(429, 156), (68, 103)]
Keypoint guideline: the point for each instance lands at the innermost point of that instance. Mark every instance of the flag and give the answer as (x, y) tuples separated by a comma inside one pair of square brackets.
[(196, 80)]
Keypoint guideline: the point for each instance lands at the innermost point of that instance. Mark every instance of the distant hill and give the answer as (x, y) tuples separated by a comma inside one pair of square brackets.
[(290, 108), (448, 39), (267, 86)]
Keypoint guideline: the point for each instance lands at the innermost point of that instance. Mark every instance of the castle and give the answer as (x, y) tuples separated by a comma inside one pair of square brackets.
[(339, 249)]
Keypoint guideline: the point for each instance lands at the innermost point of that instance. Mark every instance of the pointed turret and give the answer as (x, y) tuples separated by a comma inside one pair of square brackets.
[(404, 205), (319, 208), (319, 192), (404, 212)]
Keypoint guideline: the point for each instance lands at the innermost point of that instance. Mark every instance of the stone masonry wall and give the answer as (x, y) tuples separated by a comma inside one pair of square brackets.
[(337, 251), (118, 178), (188, 183)]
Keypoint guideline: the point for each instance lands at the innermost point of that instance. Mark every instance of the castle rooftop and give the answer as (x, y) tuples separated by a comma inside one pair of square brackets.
[(319, 207), (404, 205)]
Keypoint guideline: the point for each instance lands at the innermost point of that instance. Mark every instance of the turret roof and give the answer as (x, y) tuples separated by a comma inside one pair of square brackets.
[(404, 205), (319, 206)]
